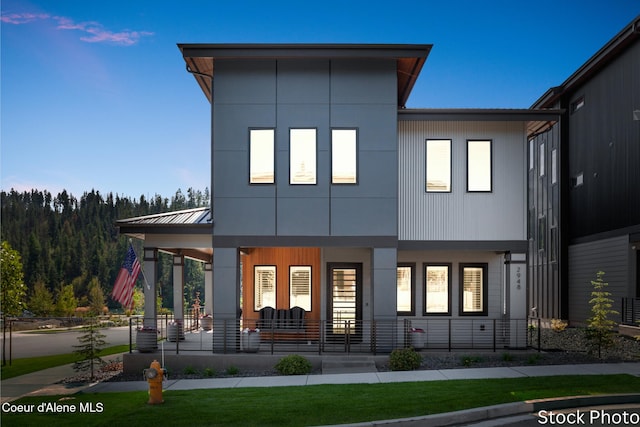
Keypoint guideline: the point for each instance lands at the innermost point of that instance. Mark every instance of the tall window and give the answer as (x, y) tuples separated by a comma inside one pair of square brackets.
[(264, 287), (436, 290), (473, 289), (302, 156), (261, 156), (300, 287), (542, 163), (554, 166), (438, 165), (478, 165), (404, 284), (344, 161)]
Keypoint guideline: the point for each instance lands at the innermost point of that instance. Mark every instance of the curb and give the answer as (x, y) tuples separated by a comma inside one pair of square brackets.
[(499, 411)]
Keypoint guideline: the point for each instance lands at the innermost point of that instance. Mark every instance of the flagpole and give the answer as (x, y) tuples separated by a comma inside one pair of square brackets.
[(141, 265)]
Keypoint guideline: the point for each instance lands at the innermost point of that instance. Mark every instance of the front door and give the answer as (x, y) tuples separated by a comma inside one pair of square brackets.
[(345, 301)]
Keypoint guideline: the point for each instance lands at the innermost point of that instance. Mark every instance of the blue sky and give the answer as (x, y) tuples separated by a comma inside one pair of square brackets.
[(95, 94)]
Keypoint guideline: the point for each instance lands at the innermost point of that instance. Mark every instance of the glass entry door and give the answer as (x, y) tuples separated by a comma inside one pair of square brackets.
[(345, 301)]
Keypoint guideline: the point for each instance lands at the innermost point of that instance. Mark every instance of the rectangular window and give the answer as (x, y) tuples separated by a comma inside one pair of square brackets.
[(302, 156), (577, 104), (542, 233), (532, 160), (438, 165), (300, 287), (405, 290), (478, 165), (436, 290), (264, 286), (261, 156), (473, 292), (344, 163), (542, 165), (554, 166)]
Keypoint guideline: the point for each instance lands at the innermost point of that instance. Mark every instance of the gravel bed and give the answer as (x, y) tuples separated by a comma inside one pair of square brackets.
[(557, 348)]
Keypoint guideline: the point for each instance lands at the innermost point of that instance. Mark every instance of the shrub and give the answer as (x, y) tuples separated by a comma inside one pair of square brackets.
[(507, 357), (404, 359), (533, 359), (558, 325), (189, 370), (233, 370), (293, 364), (208, 372), (470, 360)]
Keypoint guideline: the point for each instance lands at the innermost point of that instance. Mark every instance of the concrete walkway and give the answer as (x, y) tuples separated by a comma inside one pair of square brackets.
[(47, 382)]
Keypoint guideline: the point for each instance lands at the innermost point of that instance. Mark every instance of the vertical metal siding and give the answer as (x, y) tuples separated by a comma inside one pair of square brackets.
[(585, 260), (499, 215)]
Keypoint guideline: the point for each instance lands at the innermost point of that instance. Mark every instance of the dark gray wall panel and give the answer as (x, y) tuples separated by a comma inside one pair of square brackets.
[(364, 216), (363, 81), (245, 216), (303, 216), (245, 81), (294, 77), (232, 124)]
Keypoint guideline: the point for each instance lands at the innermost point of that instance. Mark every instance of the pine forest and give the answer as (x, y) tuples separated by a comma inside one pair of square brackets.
[(63, 241)]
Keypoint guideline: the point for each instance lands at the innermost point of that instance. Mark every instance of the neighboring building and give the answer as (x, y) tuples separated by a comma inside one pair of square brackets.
[(329, 195), (584, 185)]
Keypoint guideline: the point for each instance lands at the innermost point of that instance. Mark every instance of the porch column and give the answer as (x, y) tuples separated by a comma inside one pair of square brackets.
[(516, 266), (208, 288), (150, 309), (226, 300), (178, 290), (384, 264)]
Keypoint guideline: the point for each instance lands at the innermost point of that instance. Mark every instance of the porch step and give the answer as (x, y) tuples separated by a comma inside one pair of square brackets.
[(348, 365)]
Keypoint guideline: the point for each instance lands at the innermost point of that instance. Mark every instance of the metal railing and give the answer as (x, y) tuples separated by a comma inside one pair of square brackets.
[(348, 336), (630, 312)]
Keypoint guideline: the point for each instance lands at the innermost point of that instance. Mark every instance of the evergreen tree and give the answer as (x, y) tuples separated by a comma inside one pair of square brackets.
[(96, 297), (41, 300), (66, 301), (91, 344), (600, 330), (12, 288)]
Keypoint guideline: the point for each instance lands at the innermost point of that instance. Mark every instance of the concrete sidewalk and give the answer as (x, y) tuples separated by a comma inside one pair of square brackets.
[(47, 382)]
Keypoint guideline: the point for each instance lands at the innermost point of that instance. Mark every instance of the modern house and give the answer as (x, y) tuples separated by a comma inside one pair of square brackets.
[(331, 198), (584, 187)]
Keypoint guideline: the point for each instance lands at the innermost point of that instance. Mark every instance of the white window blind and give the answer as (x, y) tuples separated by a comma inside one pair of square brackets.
[(264, 287), (472, 289), (403, 284), (300, 287)]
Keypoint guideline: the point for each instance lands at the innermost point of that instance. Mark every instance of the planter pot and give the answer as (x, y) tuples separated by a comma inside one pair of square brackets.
[(175, 332), (207, 323), (417, 338), (146, 340), (250, 341)]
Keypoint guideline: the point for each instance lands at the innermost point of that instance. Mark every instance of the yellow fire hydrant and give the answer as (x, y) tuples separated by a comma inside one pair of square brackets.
[(154, 375)]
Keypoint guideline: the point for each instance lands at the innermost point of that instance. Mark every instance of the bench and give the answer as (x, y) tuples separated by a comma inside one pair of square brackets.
[(282, 320)]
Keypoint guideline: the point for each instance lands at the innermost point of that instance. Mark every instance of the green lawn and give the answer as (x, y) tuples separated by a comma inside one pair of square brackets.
[(310, 405), (32, 364)]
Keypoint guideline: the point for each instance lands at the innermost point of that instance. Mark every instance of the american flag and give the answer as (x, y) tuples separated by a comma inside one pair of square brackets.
[(126, 280)]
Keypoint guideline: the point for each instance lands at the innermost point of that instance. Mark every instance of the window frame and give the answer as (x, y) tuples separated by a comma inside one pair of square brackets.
[(255, 286), (485, 289), (273, 156), (356, 157), (425, 267), (412, 284), (291, 305), (314, 161), (426, 165), (469, 177)]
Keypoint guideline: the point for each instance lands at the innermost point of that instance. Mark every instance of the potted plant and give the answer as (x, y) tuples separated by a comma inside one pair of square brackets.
[(251, 340), (207, 322)]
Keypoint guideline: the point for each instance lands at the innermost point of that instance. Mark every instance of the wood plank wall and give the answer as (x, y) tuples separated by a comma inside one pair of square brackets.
[(282, 258)]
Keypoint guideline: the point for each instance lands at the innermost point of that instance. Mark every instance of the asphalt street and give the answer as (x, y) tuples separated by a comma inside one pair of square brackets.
[(48, 342)]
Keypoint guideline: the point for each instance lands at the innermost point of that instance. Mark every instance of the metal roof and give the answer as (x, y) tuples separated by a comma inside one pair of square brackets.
[(187, 217), (200, 58)]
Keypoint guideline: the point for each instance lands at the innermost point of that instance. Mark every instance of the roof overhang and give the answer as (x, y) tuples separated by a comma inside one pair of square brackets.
[(536, 120), (200, 58)]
